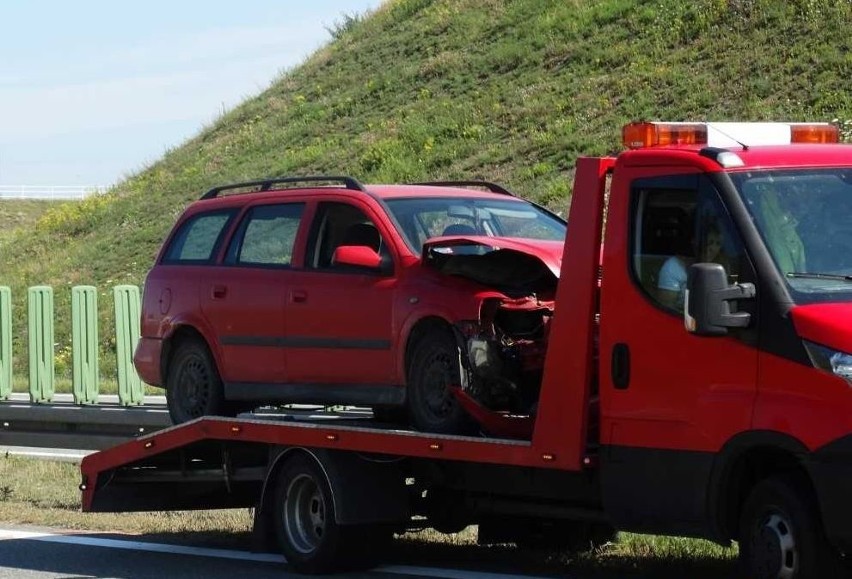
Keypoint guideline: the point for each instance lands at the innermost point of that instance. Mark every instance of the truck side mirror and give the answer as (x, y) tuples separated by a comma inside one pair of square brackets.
[(708, 297)]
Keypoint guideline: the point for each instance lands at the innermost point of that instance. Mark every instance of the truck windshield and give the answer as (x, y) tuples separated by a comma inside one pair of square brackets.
[(803, 217), (424, 218)]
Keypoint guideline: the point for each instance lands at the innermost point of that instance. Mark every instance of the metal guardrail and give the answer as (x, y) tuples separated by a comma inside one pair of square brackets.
[(67, 425), (62, 424), (50, 192)]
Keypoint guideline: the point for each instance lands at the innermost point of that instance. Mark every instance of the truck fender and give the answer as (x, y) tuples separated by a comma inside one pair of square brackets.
[(723, 497), (365, 488)]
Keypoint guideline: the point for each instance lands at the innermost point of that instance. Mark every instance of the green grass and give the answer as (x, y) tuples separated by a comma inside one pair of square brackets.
[(23, 213), (510, 91), (42, 493), (63, 385)]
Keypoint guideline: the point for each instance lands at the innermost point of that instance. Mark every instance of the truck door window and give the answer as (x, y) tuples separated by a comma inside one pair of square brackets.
[(674, 228), (266, 236)]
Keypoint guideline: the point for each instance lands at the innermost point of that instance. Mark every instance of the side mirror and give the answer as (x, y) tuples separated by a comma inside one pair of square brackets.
[(708, 297), (357, 256)]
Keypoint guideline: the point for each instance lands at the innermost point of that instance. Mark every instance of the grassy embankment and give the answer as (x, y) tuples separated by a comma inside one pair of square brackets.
[(45, 494), (430, 89)]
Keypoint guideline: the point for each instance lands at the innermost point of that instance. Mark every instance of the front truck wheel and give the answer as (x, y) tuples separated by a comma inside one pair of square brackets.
[(781, 535), (306, 527)]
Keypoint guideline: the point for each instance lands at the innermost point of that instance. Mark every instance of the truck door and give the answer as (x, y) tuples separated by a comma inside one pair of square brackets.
[(669, 399)]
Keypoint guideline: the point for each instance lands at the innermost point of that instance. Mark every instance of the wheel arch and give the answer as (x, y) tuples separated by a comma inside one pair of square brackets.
[(178, 334), (744, 461)]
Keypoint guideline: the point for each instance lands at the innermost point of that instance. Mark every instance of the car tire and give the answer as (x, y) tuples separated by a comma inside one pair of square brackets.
[(193, 386), (435, 366), (306, 528), (781, 535)]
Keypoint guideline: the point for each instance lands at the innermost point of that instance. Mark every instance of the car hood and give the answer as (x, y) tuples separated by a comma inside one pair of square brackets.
[(829, 324), (506, 263)]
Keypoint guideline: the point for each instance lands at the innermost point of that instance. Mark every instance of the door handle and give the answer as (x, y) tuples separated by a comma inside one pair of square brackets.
[(620, 366), (298, 296), (219, 292)]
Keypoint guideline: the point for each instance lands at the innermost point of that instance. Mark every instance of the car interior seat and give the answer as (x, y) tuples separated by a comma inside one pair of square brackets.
[(363, 234), (458, 229)]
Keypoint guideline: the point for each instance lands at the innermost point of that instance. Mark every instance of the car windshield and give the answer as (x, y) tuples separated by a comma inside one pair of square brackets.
[(420, 219), (803, 217)]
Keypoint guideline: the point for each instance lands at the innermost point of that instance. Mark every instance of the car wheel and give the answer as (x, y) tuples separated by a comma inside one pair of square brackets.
[(306, 527), (781, 536), (193, 386), (435, 366)]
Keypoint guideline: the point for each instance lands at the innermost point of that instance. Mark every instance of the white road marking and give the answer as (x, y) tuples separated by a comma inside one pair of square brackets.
[(76, 539), (448, 573), (79, 539)]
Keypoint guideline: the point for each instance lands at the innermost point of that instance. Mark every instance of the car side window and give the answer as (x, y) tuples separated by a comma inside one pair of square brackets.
[(674, 228), (266, 236), (341, 224), (198, 238)]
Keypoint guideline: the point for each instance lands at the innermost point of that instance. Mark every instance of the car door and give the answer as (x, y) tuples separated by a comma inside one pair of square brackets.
[(670, 399), (339, 319), (243, 297)]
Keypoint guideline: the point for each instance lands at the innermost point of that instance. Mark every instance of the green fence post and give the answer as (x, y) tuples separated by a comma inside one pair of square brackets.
[(5, 343), (84, 343), (40, 314), (127, 312)]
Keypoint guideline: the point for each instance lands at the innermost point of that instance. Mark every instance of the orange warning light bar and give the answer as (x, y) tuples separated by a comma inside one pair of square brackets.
[(638, 135), (814, 133)]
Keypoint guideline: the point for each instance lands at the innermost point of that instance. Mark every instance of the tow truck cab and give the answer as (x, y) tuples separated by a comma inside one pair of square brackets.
[(725, 334)]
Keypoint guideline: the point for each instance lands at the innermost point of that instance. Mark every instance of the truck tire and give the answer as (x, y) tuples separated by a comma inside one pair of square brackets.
[(434, 368), (306, 528), (193, 386), (781, 535)]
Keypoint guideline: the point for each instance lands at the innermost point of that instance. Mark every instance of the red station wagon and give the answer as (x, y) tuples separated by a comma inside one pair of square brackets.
[(322, 290)]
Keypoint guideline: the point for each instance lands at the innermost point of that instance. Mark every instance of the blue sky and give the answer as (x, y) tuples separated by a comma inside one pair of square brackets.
[(94, 90)]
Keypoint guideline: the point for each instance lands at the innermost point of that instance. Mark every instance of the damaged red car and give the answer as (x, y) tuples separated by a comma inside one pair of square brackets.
[(322, 290)]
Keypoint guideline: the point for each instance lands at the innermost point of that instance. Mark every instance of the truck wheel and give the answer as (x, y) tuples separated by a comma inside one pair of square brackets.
[(781, 536), (434, 368), (306, 527), (193, 386)]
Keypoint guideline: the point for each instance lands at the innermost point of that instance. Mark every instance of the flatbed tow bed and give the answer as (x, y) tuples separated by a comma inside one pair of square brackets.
[(378, 478)]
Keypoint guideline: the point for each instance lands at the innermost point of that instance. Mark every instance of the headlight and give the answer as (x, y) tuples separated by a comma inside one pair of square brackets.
[(834, 361)]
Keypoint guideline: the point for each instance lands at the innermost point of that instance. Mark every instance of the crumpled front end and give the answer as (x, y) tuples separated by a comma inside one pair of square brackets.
[(504, 353)]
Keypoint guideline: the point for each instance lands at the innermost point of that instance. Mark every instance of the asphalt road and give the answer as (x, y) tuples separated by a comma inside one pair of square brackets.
[(27, 553)]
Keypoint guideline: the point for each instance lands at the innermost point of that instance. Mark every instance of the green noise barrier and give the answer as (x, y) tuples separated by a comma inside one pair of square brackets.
[(84, 344), (5, 343), (127, 313), (40, 313)]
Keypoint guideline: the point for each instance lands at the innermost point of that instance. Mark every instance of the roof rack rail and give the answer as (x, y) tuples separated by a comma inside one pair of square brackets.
[(493, 187), (266, 184)]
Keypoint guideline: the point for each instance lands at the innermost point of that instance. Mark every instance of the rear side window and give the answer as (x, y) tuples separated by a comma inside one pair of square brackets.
[(267, 236), (198, 238)]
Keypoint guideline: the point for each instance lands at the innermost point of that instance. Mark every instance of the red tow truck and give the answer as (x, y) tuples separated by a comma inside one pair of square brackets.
[(696, 382)]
